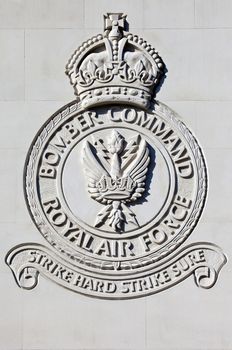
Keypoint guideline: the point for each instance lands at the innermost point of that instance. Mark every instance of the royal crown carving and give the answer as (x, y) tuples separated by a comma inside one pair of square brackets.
[(115, 66)]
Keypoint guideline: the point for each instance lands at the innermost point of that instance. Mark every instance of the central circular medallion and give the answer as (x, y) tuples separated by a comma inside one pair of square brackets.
[(117, 193)]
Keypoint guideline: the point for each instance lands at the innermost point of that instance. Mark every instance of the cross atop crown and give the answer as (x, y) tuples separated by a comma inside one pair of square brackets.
[(115, 23)]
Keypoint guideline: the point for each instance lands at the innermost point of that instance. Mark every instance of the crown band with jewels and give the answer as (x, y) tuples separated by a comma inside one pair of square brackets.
[(115, 67), (118, 189)]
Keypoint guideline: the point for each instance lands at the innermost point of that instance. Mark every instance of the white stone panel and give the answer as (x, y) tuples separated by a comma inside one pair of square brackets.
[(8, 179), (218, 206), (26, 117), (12, 14), (86, 323), (220, 234), (187, 112), (213, 13), (209, 120), (11, 314), (94, 11), (54, 14), (197, 63), (168, 13), (46, 58), (12, 65), (186, 325), (41, 14), (214, 124)]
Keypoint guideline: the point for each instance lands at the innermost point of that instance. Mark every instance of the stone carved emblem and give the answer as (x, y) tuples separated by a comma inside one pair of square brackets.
[(114, 181), (117, 178)]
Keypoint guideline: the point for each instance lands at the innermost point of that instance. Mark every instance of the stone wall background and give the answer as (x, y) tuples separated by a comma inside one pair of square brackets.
[(194, 38)]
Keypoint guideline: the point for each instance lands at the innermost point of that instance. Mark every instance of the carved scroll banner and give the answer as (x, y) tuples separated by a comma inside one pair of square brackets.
[(114, 181), (202, 260)]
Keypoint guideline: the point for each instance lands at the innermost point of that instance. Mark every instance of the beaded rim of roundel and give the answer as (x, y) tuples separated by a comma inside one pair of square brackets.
[(34, 210)]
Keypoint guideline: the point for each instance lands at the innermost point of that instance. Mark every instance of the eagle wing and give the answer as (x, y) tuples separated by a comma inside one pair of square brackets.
[(94, 171), (137, 170)]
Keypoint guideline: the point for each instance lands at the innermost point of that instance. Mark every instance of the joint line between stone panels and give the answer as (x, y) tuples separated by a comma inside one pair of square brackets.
[(43, 28), (48, 100), (84, 13), (218, 148), (24, 63), (186, 28), (132, 28), (194, 4), (146, 334), (202, 100), (83, 7), (143, 16), (163, 100)]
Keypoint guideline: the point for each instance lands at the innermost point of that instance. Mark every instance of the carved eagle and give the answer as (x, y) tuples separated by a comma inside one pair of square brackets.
[(116, 175)]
